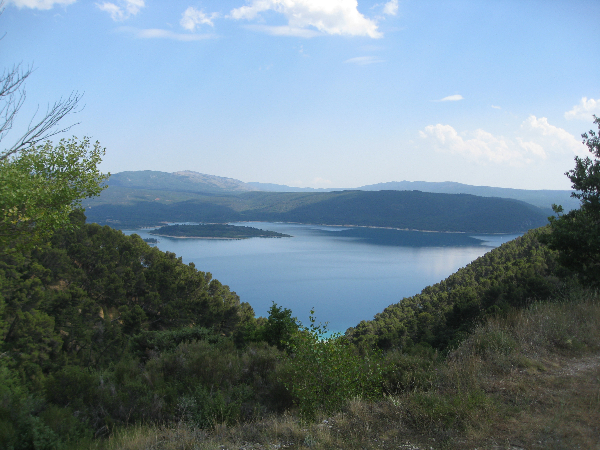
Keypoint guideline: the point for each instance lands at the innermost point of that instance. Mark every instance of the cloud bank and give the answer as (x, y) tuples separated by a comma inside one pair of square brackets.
[(538, 139), (124, 10), (584, 110), (40, 4), (334, 17)]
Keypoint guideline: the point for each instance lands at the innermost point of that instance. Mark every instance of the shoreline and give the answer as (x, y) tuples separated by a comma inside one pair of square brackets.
[(202, 237), (332, 225), (218, 238)]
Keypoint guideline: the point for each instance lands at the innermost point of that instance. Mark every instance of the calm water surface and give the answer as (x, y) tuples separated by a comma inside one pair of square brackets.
[(346, 274)]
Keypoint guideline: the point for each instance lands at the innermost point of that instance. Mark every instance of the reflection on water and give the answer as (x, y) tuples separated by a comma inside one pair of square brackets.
[(346, 274)]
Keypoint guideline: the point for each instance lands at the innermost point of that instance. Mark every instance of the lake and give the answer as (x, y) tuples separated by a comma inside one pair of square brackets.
[(347, 274)]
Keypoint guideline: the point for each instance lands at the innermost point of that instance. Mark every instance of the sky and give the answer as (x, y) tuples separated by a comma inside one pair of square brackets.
[(319, 93)]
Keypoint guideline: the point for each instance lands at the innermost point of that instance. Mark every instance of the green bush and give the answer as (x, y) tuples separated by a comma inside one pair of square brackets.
[(323, 372)]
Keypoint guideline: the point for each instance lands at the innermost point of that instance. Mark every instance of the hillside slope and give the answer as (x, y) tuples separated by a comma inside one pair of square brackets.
[(512, 275), (395, 209), (189, 182)]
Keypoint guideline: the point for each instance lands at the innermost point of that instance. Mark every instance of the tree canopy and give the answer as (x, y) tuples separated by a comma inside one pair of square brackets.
[(576, 235), (41, 183)]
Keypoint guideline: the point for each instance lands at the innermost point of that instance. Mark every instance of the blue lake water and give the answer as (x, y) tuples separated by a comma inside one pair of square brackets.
[(346, 274)]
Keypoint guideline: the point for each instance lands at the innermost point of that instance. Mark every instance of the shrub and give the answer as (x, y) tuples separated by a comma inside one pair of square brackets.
[(323, 371)]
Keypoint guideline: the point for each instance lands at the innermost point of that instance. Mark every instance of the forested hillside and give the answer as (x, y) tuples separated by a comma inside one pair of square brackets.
[(397, 209), (511, 276), (100, 331)]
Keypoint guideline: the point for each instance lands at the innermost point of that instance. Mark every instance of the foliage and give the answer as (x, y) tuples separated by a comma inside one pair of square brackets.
[(215, 231), (396, 209), (324, 371), (41, 185), (280, 327), (576, 235), (509, 276)]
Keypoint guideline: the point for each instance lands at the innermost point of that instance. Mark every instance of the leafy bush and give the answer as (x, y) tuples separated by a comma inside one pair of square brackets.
[(324, 371)]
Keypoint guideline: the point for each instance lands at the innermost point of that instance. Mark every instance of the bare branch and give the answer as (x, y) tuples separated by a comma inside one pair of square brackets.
[(45, 128), (12, 96)]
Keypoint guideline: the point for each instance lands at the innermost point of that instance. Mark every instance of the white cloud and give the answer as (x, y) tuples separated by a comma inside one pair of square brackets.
[(336, 17), (284, 30), (391, 8), (193, 17), (156, 33), (553, 138), (481, 145), (364, 60), (124, 10), (538, 139), (451, 98), (584, 110), (496, 107), (40, 4)]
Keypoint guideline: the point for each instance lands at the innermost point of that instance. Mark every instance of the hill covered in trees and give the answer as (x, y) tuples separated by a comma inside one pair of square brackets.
[(184, 185), (395, 209), (510, 276), (101, 331)]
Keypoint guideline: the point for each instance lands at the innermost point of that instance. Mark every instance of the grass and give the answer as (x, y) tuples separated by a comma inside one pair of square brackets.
[(529, 380)]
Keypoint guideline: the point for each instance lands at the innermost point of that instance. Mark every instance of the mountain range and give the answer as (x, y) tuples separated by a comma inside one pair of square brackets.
[(194, 182), (150, 198)]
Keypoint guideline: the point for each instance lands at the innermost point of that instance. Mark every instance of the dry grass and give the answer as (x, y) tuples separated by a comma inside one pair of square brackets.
[(527, 381)]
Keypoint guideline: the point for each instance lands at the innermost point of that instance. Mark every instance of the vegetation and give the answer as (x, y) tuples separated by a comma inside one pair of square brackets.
[(396, 209), (179, 186), (107, 342), (216, 231), (102, 332), (525, 380), (41, 185), (576, 235), (510, 276)]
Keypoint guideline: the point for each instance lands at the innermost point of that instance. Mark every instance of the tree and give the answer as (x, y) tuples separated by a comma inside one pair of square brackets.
[(41, 184), (576, 235), (280, 327), (40, 187), (12, 98)]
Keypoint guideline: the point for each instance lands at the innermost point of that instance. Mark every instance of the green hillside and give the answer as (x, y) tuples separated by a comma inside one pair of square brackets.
[(101, 331), (396, 209), (511, 276)]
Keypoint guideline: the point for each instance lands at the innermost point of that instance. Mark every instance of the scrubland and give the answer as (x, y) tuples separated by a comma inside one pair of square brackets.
[(529, 379)]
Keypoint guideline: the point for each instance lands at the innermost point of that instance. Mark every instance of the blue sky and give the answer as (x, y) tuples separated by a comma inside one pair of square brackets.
[(320, 93)]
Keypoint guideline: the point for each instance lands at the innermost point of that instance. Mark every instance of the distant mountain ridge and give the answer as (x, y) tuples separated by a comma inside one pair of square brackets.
[(541, 198), (190, 181), (149, 198), (410, 210), (183, 181)]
